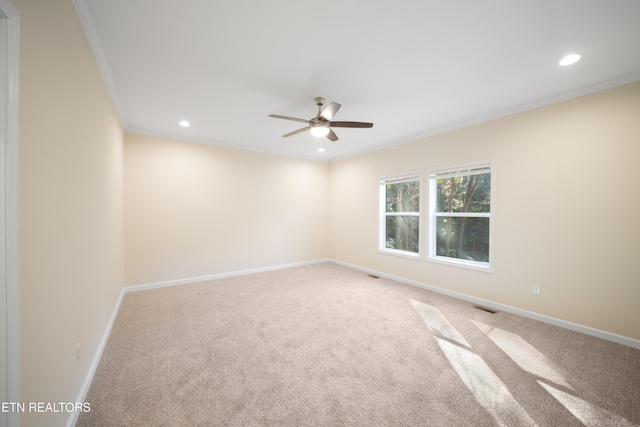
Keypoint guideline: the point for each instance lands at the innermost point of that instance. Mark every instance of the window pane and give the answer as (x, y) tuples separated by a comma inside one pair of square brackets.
[(402, 233), (466, 193), (463, 238), (403, 197)]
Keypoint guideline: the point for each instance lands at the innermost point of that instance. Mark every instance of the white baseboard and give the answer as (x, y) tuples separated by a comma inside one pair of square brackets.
[(73, 418), (620, 339), (136, 288)]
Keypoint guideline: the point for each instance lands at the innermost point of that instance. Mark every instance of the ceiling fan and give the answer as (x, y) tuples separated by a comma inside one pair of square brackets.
[(321, 124)]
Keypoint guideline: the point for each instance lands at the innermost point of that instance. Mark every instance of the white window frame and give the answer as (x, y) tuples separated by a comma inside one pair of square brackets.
[(382, 233), (465, 169)]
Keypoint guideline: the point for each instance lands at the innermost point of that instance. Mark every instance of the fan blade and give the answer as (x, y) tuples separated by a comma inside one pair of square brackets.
[(330, 110), (295, 132), (351, 125), (276, 116), (332, 135)]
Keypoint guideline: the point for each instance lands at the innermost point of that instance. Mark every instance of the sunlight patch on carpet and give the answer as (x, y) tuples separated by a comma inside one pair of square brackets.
[(437, 322), (589, 414), (492, 394), (524, 354)]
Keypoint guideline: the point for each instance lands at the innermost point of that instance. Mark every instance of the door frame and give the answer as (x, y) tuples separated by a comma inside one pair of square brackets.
[(10, 282)]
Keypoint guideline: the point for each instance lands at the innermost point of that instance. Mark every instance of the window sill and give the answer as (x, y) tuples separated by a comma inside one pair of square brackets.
[(453, 262), (404, 254)]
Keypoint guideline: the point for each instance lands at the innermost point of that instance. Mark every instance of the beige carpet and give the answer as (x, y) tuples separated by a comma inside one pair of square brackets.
[(324, 345)]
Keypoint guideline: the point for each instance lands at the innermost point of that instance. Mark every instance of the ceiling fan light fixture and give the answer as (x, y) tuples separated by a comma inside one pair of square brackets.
[(319, 130)]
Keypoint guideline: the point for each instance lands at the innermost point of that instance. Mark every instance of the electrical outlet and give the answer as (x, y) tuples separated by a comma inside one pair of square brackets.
[(536, 290), (78, 354), (251, 255)]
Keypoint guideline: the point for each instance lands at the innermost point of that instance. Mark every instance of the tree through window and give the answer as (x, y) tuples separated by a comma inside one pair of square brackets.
[(460, 215), (400, 214)]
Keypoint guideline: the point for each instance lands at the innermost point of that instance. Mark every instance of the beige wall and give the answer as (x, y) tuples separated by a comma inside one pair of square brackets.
[(71, 205), (566, 205), (194, 210)]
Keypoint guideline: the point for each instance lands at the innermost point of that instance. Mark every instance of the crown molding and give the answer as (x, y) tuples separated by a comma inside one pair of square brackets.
[(84, 14)]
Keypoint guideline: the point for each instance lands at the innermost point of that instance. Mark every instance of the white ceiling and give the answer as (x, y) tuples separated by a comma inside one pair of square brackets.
[(412, 67)]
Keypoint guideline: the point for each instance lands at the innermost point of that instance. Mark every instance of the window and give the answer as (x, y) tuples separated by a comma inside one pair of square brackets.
[(460, 220), (400, 215)]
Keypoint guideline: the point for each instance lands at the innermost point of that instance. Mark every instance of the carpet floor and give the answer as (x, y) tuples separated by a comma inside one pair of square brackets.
[(325, 345)]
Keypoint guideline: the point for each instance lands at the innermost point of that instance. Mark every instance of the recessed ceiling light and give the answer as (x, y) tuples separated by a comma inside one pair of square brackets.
[(569, 59), (321, 150), (184, 123)]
